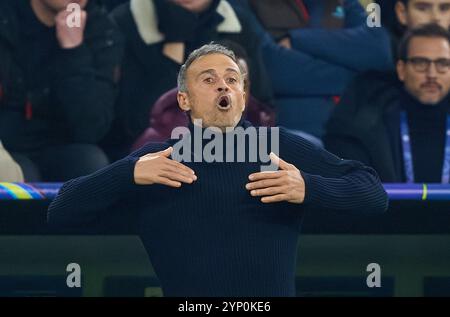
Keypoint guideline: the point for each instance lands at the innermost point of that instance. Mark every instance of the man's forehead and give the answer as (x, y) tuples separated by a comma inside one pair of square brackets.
[(430, 2), (426, 46), (213, 62)]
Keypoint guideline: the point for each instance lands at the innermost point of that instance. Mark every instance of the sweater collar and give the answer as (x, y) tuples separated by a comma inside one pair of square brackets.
[(242, 123), (197, 142), (416, 108), (145, 16)]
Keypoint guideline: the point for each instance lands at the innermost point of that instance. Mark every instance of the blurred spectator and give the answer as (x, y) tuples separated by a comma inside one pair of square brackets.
[(415, 13), (160, 34), (388, 16), (401, 15), (10, 171), (57, 86), (409, 14), (400, 125), (322, 45)]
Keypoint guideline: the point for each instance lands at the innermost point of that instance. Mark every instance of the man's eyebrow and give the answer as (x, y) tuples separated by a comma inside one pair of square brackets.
[(232, 70), (213, 72), (423, 3), (208, 71)]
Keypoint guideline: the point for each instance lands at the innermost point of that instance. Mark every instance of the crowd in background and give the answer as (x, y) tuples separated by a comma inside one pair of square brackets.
[(73, 100)]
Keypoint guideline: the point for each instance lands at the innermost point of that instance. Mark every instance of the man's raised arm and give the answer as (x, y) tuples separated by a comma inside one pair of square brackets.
[(80, 200)]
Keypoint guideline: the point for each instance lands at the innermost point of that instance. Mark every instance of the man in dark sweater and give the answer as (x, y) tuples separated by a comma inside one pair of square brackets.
[(57, 86), (220, 227), (400, 126)]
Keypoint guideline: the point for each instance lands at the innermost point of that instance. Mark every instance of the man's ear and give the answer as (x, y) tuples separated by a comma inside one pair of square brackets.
[(183, 101), (244, 95), (401, 68), (401, 12)]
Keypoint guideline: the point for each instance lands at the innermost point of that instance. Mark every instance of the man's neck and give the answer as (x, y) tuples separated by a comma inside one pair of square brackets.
[(199, 123), (44, 14), (413, 105)]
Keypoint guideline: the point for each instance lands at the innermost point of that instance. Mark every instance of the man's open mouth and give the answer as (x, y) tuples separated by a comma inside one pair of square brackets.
[(224, 103)]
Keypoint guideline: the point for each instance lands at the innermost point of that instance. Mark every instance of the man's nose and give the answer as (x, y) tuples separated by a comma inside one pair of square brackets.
[(432, 71), (436, 15), (222, 87)]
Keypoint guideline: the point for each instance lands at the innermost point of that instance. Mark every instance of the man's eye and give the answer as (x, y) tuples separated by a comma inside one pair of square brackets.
[(445, 7), (232, 80), (208, 80), (443, 62), (422, 7)]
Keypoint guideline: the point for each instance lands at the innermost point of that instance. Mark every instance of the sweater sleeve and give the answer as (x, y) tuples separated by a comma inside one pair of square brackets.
[(81, 200), (355, 13), (294, 73), (360, 48), (331, 182)]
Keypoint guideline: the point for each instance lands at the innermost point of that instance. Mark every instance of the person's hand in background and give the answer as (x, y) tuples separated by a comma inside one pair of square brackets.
[(285, 42), (69, 36)]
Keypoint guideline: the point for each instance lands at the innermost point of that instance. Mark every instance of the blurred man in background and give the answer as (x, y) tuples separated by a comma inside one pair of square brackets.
[(401, 125), (57, 86), (402, 15)]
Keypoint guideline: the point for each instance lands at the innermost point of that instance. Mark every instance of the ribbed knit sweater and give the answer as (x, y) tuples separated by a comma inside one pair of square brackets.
[(212, 238)]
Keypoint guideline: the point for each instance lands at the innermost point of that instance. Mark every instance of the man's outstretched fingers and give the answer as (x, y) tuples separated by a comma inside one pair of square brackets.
[(285, 184), (167, 152), (274, 199), (176, 177), (180, 166), (264, 175), (178, 171), (264, 183), (270, 191), (168, 182), (280, 162), (153, 167)]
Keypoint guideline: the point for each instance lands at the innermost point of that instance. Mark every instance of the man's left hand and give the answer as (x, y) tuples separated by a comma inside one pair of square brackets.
[(286, 184)]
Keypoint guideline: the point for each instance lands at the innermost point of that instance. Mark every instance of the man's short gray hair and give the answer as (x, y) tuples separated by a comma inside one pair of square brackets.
[(208, 49)]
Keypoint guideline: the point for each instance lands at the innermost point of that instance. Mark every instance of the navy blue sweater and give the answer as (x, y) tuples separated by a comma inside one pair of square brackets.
[(212, 238)]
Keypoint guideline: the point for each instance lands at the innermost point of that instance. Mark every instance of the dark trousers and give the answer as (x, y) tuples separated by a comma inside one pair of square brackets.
[(61, 163)]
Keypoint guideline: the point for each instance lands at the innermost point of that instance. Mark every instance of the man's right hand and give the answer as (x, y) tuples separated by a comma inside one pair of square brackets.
[(69, 37), (158, 168)]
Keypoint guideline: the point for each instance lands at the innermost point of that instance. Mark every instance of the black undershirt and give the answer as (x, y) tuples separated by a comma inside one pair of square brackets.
[(427, 128)]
